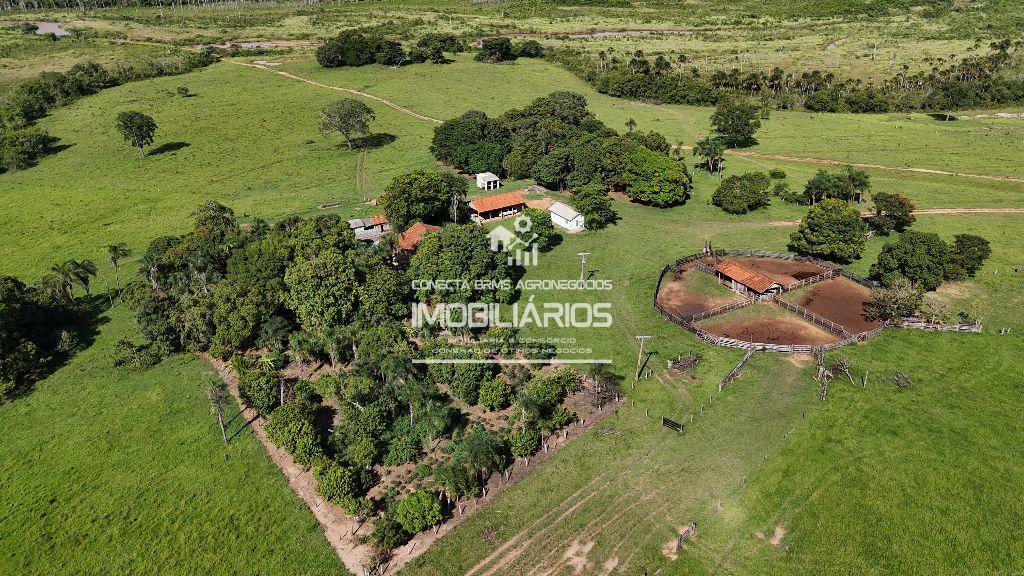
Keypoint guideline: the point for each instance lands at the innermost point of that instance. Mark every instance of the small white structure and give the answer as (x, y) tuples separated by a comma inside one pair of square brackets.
[(487, 181), (564, 216)]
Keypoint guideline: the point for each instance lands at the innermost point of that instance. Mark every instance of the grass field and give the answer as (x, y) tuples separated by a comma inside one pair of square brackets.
[(106, 471), (249, 139), (124, 472)]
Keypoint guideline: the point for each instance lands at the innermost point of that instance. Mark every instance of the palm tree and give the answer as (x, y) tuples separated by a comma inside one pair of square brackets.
[(70, 272), (64, 277), (84, 271), (116, 253)]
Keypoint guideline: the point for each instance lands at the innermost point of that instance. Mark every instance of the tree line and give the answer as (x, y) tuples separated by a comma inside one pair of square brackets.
[(975, 81)]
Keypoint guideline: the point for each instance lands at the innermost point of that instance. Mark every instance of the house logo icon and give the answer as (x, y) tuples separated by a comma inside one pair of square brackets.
[(520, 252)]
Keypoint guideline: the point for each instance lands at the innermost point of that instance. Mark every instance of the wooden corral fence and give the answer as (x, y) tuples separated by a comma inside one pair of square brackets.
[(920, 324), (709, 338), (720, 310), (735, 371), (830, 273)]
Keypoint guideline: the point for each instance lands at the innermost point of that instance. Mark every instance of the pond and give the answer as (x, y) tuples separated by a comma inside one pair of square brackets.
[(51, 27)]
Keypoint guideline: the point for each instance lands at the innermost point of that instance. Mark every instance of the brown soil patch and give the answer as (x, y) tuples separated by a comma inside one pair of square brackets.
[(540, 203), (777, 537), (772, 330), (677, 298), (782, 271), (842, 301)]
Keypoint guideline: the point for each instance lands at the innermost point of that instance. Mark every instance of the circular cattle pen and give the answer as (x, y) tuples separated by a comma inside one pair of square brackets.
[(771, 301)]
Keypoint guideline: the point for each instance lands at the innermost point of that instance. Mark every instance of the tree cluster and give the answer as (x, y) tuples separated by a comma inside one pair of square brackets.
[(42, 324), (558, 142), (975, 81), (502, 49), (743, 193), (354, 48), (926, 260)]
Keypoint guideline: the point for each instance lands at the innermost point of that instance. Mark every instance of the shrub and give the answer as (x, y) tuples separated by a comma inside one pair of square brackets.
[(260, 391), (523, 442), (291, 428), (893, 302), (418, 511), (343, 486), (966, 256), (528, 49), (387, 533), (495, 50), (741, 194), (777, 174), (496, 394)]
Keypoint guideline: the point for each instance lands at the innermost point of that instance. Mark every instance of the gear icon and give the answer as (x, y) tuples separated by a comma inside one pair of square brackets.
[(523, 224)]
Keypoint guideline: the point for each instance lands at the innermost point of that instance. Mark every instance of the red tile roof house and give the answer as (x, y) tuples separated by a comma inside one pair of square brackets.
[(496, 206), (745, 280), (412, 237)]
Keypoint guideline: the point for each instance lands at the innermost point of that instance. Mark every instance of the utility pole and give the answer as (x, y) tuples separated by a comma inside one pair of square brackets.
[(640, 356), (583, 264)]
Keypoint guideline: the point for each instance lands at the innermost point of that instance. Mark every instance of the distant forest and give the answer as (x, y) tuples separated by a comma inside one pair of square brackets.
[(976, 81)]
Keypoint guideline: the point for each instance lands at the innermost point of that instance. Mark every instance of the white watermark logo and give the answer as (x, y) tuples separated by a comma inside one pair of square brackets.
[(520, 252)]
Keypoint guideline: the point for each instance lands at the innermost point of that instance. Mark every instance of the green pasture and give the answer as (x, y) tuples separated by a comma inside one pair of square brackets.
[(249, 139), (107, 471)]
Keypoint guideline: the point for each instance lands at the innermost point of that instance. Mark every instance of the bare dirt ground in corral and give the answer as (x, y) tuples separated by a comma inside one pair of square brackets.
[(680, 299), (840, 300), (771, 330)]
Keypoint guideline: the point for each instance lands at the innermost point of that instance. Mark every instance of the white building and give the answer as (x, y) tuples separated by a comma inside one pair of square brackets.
[(564, 216), (487, 181)]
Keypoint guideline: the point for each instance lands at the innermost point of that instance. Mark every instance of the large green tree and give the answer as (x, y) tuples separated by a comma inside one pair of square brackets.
[(920, 257), (966, 255), (833, 230), (735, 121), (322, 291), (137, 129), (743, 193), (460, 253), (652, 178), (421, 195), (348, 116)]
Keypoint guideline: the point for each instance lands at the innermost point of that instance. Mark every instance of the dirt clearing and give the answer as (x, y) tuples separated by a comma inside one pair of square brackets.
[(840, 300), (692, 292), (779, 327)]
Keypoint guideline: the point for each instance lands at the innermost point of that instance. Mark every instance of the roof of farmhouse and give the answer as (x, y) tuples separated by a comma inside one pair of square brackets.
[(497, 202), (744, 275), (409, 239)]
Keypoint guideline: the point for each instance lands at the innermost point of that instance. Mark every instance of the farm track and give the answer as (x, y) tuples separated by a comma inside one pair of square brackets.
[(830, 162), (926, 212), (801, 159), (383, 101)]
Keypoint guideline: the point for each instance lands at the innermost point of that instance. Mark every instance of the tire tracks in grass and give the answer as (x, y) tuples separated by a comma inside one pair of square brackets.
[(927, 212), (352, 91)]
